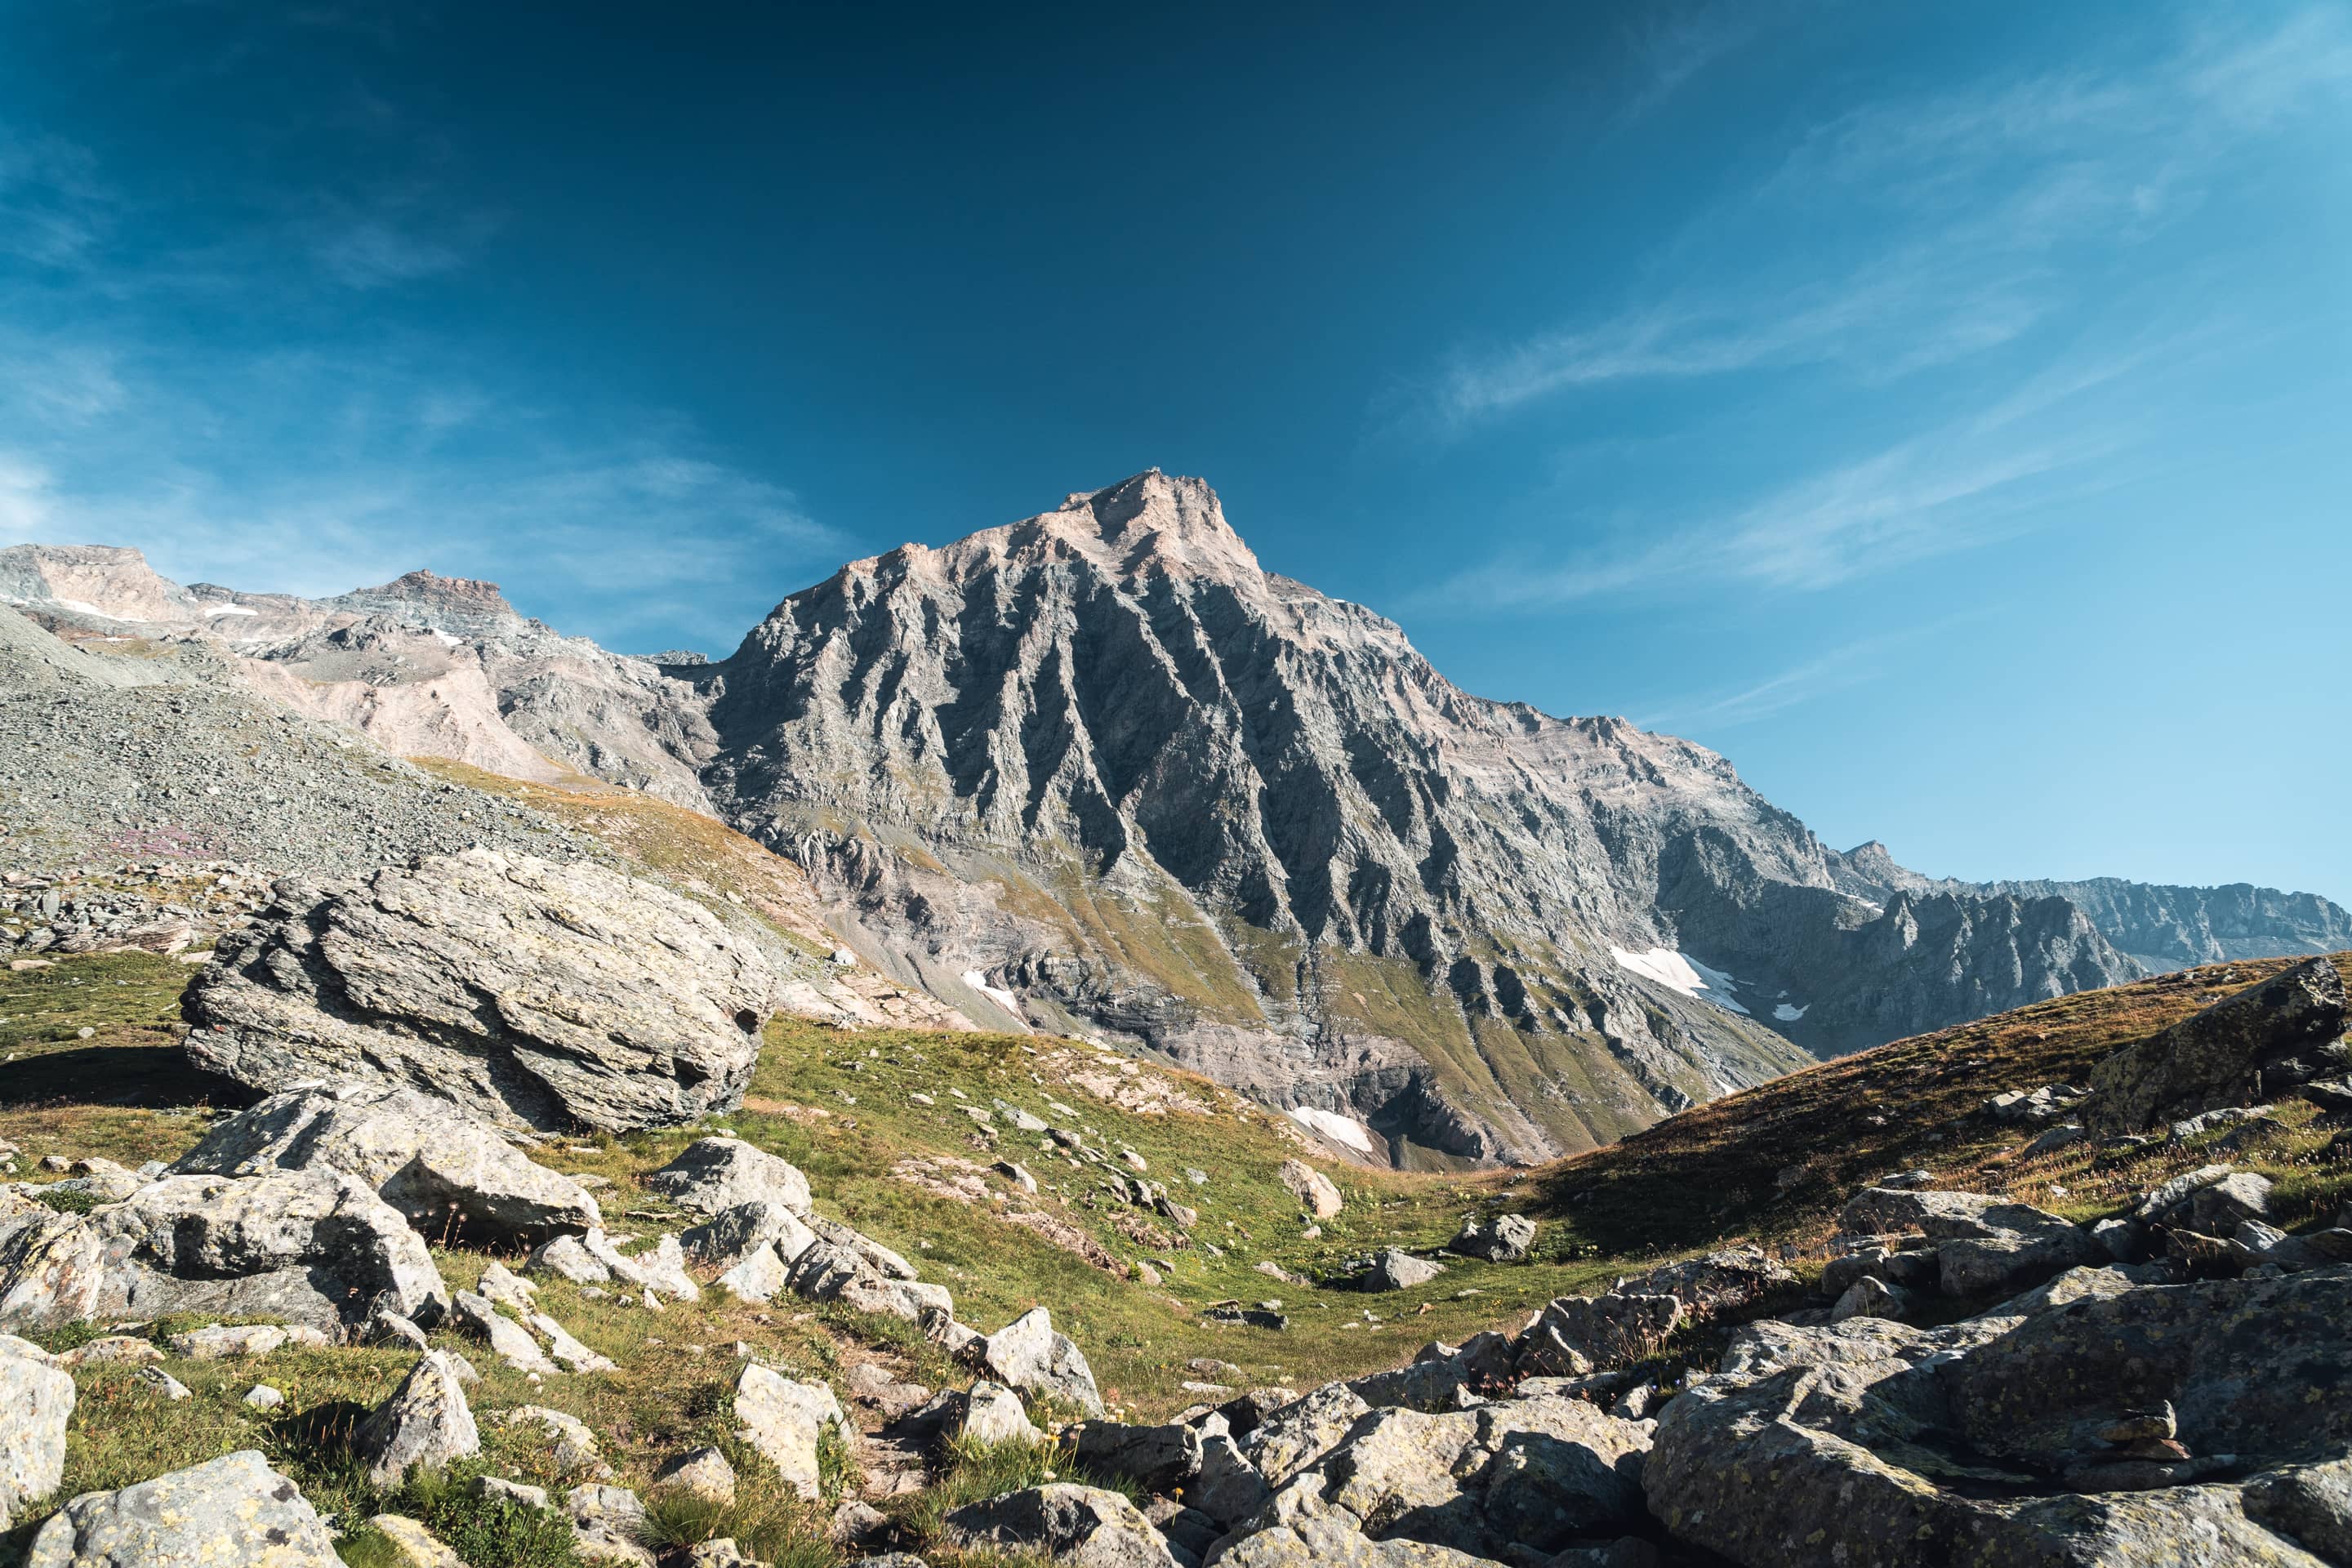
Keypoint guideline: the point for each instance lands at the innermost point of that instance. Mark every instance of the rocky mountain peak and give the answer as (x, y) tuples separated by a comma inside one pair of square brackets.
[(464, 607), (1150, 524)]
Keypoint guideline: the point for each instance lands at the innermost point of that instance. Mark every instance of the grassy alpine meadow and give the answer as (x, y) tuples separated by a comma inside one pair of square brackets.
[(910, 1136)]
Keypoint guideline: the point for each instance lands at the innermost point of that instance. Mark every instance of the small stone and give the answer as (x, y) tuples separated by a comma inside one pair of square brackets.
[(700, 1472), (262, 1396)]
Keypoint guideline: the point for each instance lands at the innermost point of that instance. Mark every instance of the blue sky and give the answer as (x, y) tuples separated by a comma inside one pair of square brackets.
[(1941, 411)]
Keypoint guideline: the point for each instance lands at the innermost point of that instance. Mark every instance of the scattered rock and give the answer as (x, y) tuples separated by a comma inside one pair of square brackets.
[(1080, 1525), (413, 1543), (262, 1396), (1395, 1270), (1575, 1334), (700, 1472), (219, 1343), (608, 1525), (993, 1414), (785, 1421), (36, 1401), (1311, 1187), (506, 1338), (1505, 1238), (313, 1247), (2264, 1041), (575, 1445), (1028, 1355), (424, 1422)]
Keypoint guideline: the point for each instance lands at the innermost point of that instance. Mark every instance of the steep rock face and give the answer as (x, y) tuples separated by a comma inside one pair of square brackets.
[(1099, 770)]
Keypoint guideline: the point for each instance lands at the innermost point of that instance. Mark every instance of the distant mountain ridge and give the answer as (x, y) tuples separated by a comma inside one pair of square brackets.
[(2160, 926), (1098, 772)]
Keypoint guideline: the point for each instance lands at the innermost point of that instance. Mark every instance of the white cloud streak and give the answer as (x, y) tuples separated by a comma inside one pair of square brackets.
[(1954, 209)]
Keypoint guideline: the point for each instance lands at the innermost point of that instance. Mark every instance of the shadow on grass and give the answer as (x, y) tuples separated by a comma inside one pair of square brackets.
[(156, 1076)]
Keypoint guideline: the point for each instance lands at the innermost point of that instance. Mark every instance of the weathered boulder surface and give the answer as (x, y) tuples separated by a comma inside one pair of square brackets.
[(557, 995), (711, 1175), (1029, 1355), (426, 1421), (1397, 1270), (1311, 1187), (2024, 1435), (36, 1400), (315, 1248), (1083, 1526), (1505, 1238), (2243, 1050), (235, 1509), (451, 1175), (786, 1421), (1575, 1334), (1535, 1472)]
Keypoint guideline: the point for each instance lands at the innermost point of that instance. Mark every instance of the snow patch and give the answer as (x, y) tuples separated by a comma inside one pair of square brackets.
[(77, 606), (1788, 1014), (1680, 972), (996, 994), (229, 610), (1332, 1125)]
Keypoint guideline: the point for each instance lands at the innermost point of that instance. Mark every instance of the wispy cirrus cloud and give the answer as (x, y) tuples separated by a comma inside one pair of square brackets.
[(1910, 233), (1841, 668)]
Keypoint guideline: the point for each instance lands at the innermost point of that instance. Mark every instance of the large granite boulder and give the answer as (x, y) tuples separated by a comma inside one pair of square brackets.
[(1314, 1190), (315, 1248), (557, 995), (1295, 1436), (2243, 1050), (1505, 1238), (233, 1510), (452, 1176), (1717, 1284), (1576, 1334), (785, 1420)]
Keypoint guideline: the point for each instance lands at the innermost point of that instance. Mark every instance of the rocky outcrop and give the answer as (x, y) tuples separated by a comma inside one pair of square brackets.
[(454, 1177), (1030, 1356), (553, 996), (315, 1248), (2256, 1045), (235, 1509)]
